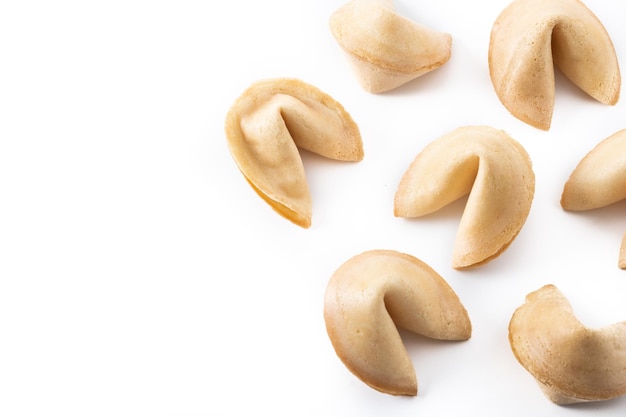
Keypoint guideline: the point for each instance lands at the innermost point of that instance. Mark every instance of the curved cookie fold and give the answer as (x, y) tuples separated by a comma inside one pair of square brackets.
[(599, 180), (492, 168), (530, 37), (266, 126), (385, 49), (570, 362), (372, 293)]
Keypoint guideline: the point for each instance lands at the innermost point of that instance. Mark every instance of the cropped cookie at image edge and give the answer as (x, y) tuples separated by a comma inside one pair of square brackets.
[(385, 49), (530, 37), (571, 363), (599, 180)]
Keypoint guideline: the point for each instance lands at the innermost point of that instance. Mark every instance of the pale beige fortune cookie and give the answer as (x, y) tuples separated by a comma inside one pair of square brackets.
[(599, 180), (266, 126), (387, 50), (570, 362), (490, 166), (530, 37), (372, 293)]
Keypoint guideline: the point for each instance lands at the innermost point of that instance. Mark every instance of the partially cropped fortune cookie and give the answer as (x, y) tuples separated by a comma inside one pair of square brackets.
[(490, 166), (385, 49), (599, 180), (373, 294), (530, 37), (266, 126), (571, 362)]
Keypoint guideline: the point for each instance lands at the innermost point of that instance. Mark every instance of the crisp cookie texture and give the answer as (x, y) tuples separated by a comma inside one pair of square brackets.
[(599, 180), (371, 294), (490, 166), (266, 126), (530, 37), (570, 362), (385, 49)]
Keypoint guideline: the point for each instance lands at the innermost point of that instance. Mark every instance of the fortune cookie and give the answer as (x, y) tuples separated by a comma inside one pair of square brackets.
[(530, 37), (266, 126), (374, 293), (570, 362), (385, 49), (490, 166)]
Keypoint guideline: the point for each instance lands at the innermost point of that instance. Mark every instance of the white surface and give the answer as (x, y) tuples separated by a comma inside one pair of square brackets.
[(140, 275)]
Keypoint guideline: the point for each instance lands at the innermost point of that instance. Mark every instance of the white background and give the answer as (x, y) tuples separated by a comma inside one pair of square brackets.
[(140, 275)]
